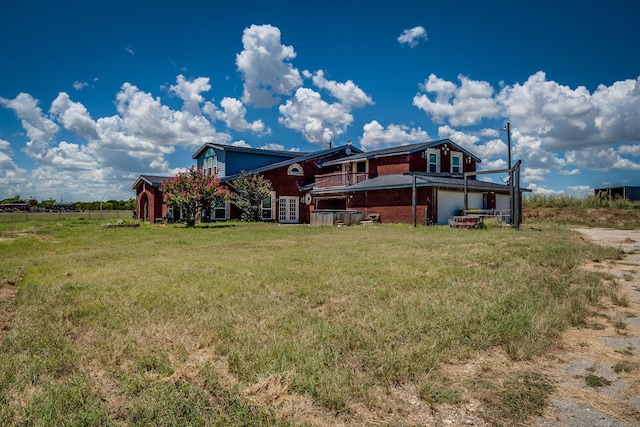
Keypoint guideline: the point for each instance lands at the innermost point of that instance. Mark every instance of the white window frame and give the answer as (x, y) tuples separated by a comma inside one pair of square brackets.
[(288, 209), (459, 166), (436, 153), (271, 209), (217, 209), (210, 165), (295, 169)]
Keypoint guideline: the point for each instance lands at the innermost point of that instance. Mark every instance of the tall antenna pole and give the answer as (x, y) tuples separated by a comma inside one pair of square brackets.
[(511, 192), (509, 142)]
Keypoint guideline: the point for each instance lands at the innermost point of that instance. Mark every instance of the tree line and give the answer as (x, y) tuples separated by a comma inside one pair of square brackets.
[(51, 204)]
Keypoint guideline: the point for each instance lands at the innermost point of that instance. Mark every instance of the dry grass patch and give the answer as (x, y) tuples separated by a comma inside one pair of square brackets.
[(259, 324)]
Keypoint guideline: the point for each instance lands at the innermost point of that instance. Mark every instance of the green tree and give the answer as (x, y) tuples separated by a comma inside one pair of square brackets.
[(193, 191), (48, 203), (250, 191), (11, 199)]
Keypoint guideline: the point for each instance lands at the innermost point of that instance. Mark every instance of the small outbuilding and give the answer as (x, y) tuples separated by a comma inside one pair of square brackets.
[(626, 192)]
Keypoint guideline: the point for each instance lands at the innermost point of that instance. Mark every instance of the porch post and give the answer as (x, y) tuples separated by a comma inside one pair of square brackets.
[(414, 201)]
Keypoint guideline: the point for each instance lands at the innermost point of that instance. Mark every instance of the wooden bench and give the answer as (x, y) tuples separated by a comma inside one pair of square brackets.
[(466, 221)]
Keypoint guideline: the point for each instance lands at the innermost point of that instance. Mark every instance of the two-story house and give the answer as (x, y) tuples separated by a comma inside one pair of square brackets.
[(393, 183), (381, 182), (289, 172)]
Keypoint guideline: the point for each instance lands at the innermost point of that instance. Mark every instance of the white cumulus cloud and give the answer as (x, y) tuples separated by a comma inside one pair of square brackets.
[(376, 136), (265, 64), (412, 36), (462, 105), (349, 94), (317, 120)]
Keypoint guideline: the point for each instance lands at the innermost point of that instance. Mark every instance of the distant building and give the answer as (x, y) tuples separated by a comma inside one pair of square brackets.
[(64, 207), (17, 206), (626, 192)]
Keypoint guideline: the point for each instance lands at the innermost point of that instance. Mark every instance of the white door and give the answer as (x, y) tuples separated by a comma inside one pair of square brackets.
[(288, 210)]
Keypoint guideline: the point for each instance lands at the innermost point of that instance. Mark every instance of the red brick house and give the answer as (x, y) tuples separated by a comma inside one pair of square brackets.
[(289, 172), (381, 182), (388, 183)]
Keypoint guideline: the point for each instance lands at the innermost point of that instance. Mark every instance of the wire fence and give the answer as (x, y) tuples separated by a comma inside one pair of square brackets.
[(106, 215)]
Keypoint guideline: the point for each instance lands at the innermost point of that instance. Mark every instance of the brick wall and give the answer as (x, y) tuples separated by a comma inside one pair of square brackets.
[(395, 206)]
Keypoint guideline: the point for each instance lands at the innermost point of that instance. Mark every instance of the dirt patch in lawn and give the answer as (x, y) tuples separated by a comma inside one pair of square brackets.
[(8, 294)]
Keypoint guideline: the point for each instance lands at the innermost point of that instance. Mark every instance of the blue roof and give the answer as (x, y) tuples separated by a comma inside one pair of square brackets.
[(302, 158), (241, 149)]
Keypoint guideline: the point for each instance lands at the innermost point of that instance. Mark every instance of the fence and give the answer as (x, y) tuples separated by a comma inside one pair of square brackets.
[(62, 216)]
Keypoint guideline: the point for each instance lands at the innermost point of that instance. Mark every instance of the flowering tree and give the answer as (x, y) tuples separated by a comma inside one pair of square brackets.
[(250, 191), (192, 191)]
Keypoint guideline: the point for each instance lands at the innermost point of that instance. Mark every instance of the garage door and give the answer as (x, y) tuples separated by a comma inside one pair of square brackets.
[(451, 202)]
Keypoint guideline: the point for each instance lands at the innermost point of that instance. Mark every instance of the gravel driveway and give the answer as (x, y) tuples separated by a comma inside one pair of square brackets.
[(598, 377)]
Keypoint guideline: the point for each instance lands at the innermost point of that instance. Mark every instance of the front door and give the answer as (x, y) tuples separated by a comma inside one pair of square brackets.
[(288, 210)]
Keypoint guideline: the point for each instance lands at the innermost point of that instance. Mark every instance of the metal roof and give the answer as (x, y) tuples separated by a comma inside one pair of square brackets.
[(154, 180), (391, 181), (394, 151), (305, 157), (236, 148)]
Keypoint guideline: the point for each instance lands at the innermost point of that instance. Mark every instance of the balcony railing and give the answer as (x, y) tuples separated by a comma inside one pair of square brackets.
[(339, 179)]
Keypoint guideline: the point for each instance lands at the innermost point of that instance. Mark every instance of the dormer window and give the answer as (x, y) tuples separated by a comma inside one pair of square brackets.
[(210, 165), (456, 162), (433, 159), (295, 169)]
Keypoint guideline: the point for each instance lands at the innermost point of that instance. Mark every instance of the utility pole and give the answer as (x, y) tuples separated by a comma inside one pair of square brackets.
[(511, 193), (509, 142)]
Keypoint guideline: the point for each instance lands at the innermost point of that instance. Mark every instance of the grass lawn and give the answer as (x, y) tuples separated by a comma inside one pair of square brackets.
[(261, 324)]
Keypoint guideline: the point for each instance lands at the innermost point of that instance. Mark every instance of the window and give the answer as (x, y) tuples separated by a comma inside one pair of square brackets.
[(267, 207), (210, 166), (220, 208), (361, 167), (456, 163), (433, 157), (295, 169)]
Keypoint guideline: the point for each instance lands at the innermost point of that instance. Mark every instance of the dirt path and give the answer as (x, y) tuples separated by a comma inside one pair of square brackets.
[(598, 374)]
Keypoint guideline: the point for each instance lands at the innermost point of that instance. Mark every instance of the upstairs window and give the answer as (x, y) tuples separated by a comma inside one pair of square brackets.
[(456, 163), (210, 166), (361, 167), (433, 158), (295, 169)]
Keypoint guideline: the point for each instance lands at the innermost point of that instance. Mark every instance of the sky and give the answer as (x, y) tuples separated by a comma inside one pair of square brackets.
[(95, 94)]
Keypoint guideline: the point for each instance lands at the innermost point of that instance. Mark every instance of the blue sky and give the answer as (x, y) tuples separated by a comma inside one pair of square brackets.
[(94, 94)]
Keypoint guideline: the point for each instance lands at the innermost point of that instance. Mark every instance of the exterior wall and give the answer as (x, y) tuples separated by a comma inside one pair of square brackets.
[(289, 185), (416, 162), (395, 205), (156, 209), (233, 162), (390, 165), (627, 192)]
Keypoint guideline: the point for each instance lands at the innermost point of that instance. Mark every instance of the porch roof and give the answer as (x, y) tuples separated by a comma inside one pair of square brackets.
[(392, 181), (153, 180)]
